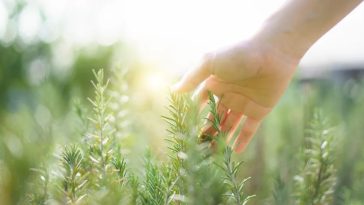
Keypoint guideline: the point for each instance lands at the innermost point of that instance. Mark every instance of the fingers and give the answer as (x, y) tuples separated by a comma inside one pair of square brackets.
[(235, 102), (231, 124), (232, 107), (223, 113), (194, 77), (248, 130), (202, 96), (209, 85)]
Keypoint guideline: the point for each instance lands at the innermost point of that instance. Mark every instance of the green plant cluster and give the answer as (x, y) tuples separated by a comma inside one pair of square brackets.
[(316, 183), (199, 170), (93, 169)]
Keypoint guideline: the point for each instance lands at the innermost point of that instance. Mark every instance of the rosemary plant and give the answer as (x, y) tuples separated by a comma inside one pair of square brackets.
[(179, 110), (182, 121), (99, 147), (154, 190), (235, 187), (134, 184), (105, 163), (315, 185), (119, 165), (203, 179), (118, 104), (191, 156), (74, 178), (281, 192), (97, 173), (191, 169), (214, 121), (200, 169), (229, 167), (40, 192)]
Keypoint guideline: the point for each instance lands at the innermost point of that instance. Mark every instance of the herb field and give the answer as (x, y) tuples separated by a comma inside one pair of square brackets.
[(309, 151)]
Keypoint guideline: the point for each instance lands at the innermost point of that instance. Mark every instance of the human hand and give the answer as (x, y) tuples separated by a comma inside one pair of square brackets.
[(248, 80)]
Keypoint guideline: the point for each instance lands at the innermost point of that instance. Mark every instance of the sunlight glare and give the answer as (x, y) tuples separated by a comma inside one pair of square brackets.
[(155, 82), (177, 33), (184, 30)]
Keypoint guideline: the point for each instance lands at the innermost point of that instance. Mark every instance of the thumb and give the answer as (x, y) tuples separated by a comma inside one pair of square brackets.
[(195, 76)]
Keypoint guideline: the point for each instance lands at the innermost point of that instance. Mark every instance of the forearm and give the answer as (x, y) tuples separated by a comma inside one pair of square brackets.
[(300, 23)]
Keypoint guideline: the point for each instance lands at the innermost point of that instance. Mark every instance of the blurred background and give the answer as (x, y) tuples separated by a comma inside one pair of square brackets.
[(48, 49)]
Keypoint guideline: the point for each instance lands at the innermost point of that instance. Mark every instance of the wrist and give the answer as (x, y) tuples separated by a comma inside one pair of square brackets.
[(275, 48), (283, 41)]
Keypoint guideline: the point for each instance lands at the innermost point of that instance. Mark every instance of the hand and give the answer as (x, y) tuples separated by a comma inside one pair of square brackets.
[(248, 79)]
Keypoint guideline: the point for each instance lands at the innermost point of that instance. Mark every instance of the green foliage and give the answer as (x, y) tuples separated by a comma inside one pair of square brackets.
[(179, 121), (236, 188), (154, 189), (99, 140), (193, 172), (96, 168), (214, 122), (204, 180), (315, 185), (21, 151), (74, 178), (97, 173), (281, 193), (40, 193), (120, 168)]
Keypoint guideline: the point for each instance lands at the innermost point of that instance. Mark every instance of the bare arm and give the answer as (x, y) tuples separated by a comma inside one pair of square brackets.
[(300, 23), (250, 77)]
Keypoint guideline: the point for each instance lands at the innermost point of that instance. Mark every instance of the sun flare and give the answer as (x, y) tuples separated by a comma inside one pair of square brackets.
[(154, 82)]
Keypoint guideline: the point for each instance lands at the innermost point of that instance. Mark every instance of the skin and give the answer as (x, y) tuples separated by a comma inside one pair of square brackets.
[(250, 77)]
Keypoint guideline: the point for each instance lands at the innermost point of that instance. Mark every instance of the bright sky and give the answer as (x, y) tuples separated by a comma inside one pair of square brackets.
[(171, 33)]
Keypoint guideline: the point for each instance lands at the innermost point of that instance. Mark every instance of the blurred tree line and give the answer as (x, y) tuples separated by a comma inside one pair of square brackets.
[(25, 65)]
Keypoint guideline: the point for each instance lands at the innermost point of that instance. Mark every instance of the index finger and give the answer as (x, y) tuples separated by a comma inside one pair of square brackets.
[(195, 76)]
